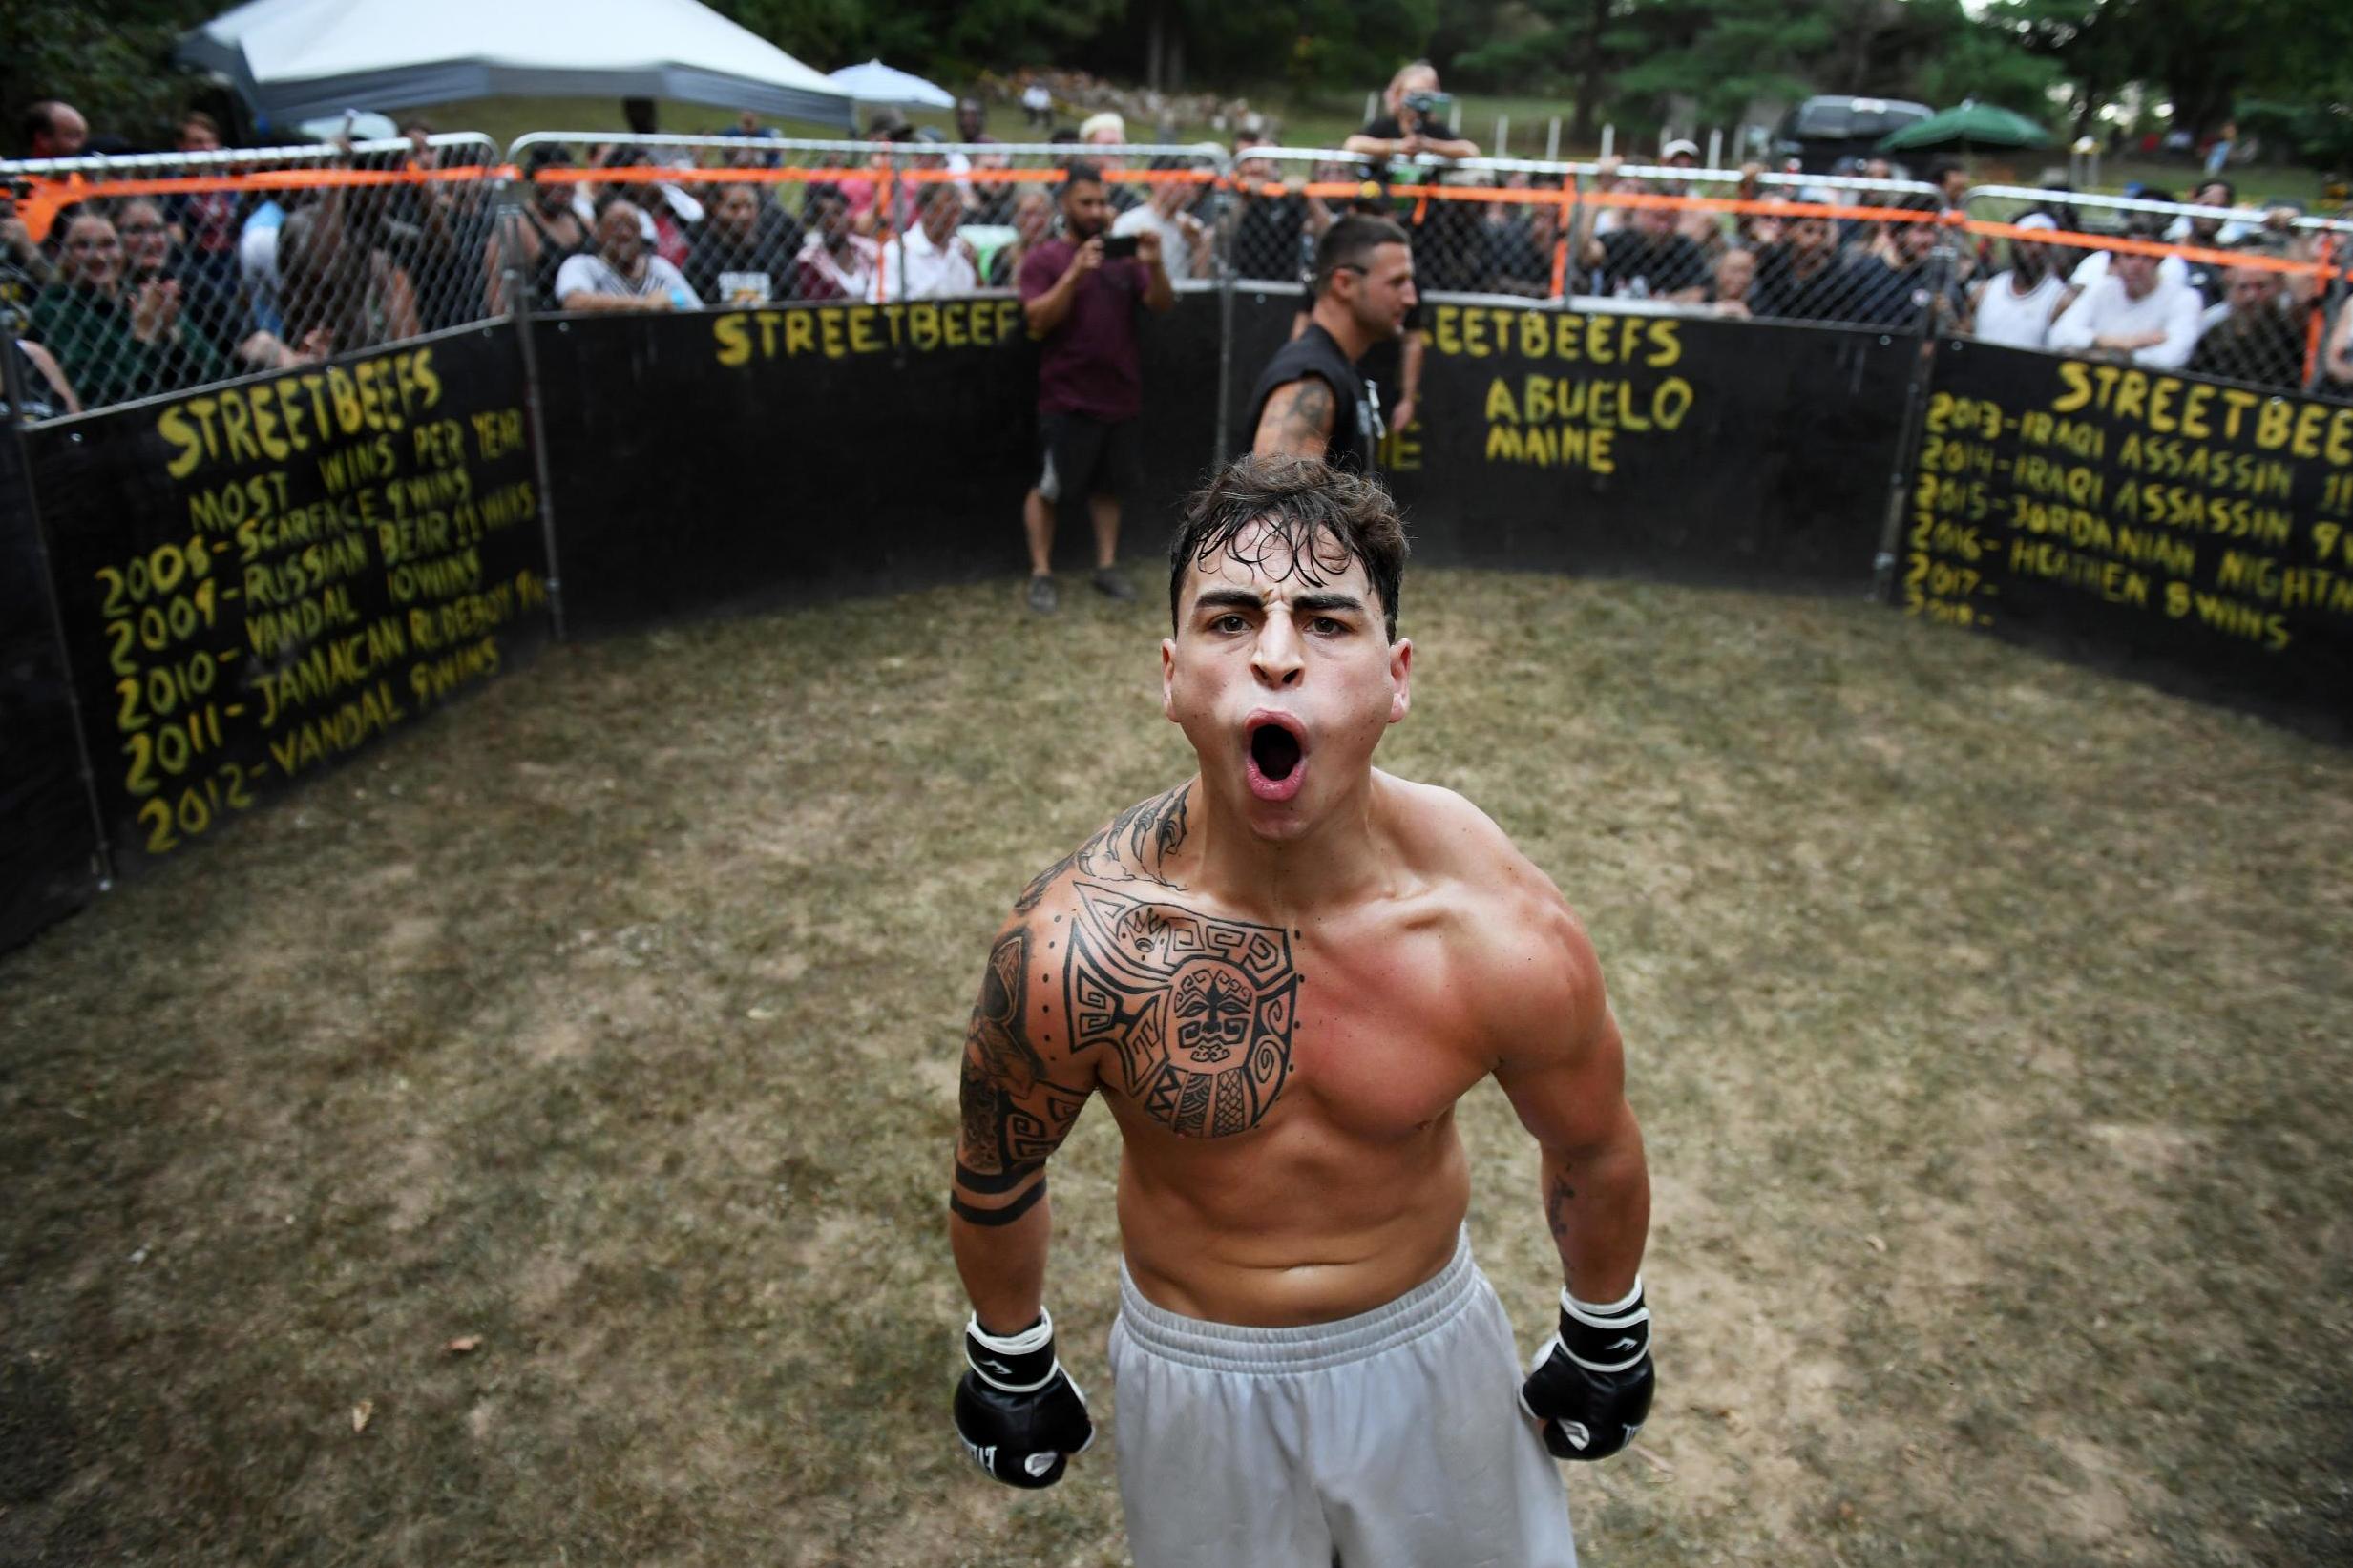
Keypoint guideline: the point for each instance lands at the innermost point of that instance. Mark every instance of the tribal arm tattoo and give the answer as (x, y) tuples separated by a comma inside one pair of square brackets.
[(1296, 421), (1014, 1111), (1131, 846)]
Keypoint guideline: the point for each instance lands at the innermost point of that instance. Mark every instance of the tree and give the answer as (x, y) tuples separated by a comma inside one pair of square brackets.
[(1942, 56), (108, 58), (2202, 55)]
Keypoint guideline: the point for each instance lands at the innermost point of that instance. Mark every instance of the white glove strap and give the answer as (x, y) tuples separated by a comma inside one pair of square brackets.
[(1617, 1335), (1036, 1337), (1021, 1363), (1588, 1313)]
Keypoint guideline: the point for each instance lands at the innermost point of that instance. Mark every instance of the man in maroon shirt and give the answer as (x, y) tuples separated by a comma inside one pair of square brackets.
[(1082, 307)]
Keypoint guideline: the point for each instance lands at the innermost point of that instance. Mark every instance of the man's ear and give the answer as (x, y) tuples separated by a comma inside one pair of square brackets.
[(1167, 679), (1401, 677)]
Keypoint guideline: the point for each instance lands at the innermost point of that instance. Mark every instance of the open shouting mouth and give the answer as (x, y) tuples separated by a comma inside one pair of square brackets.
[(1277, 760)]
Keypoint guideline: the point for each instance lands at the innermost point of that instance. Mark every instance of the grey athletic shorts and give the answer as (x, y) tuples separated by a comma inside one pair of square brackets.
[(1393, 1440)]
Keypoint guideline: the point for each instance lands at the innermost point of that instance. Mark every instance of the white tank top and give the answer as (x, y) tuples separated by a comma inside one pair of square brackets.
[(2014, 319)]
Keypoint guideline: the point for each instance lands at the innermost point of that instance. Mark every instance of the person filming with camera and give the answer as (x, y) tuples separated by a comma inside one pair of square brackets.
[(1416, 123)]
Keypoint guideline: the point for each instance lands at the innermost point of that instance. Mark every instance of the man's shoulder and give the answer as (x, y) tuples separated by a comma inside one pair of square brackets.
[(1137, 849), (1522, 930)]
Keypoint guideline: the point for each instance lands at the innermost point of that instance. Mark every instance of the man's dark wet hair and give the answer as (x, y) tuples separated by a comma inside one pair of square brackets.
[(1078, 172), (1351, 242), (1310, 519)]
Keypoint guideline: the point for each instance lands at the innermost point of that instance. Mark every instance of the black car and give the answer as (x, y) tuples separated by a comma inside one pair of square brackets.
[(1821, 131)]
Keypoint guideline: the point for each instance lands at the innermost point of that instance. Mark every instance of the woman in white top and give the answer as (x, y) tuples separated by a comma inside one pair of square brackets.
[(2015, 308), (621, 274)]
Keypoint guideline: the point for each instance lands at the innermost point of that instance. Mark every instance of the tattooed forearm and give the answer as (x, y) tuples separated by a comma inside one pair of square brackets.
[(997, 1216), (1556, 1207), (992, 1182)]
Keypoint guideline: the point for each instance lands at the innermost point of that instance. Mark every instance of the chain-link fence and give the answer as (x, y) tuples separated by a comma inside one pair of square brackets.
[(1737, 244), (2252, 295), (155, 274), (741, 220)]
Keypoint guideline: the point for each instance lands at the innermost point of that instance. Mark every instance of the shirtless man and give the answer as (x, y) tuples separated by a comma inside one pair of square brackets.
[(1280, 977)]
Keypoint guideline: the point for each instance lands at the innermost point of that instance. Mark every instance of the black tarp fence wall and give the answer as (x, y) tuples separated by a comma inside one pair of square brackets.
[(258, 582), (49, 844)]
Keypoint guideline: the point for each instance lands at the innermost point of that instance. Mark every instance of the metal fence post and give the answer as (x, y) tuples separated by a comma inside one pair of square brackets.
[(519, 315), (1221, 257), (1909, 427), (12, 380)]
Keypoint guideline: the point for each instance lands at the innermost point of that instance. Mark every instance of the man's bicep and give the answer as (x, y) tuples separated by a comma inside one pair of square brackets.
[(1019, 1091), (1570, 1094), (1296, 420)]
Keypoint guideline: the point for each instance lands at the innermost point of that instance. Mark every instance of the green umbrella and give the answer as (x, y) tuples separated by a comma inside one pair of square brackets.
[(1971, 125)]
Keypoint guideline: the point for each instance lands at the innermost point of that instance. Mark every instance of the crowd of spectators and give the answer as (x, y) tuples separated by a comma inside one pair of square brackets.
[(130, 297)]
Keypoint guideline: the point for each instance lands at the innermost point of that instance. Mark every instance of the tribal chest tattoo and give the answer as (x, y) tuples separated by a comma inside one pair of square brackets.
[(1196, 1013)]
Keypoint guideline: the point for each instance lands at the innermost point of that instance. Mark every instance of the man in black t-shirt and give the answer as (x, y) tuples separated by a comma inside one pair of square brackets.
[(1520, 252), (1274, 235), (2259, 338), (1311, 401), (745, 254), (1403, 132), (1807, 278), (1648, 259)]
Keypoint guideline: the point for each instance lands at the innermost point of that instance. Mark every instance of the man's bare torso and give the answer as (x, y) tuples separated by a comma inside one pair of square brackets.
[(1285, 1093)]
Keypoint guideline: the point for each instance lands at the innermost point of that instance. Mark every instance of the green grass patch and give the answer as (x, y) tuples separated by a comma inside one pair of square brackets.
[(1986, 1018)]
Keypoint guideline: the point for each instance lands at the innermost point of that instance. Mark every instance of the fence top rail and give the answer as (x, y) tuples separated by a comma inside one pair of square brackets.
[(1058, 151), (233, 157), (1584, 168), (2140, 204)]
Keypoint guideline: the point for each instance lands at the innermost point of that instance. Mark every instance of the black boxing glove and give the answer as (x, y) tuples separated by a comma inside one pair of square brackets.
[(1019, 1413), (1590, 1384)]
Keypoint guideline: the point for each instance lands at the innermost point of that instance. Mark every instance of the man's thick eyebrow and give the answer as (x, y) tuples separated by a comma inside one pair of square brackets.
[(1243, 598)]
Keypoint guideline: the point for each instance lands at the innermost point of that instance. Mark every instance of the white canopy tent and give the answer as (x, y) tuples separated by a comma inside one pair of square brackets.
[(877, 83), (304, 59)]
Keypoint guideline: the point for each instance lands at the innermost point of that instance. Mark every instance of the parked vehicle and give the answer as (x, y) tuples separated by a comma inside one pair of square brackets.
[(1822, 130)]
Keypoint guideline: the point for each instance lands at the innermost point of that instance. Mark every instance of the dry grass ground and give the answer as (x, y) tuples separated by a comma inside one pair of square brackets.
[(1990, 1022)]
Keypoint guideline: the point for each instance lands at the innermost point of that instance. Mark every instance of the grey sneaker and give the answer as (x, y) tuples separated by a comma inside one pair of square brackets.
[(1109, 583), (1042, 595)]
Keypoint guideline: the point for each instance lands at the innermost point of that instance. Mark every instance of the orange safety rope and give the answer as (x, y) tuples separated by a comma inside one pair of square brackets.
[(2142, 247), (51, 194), (2316, 319)]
